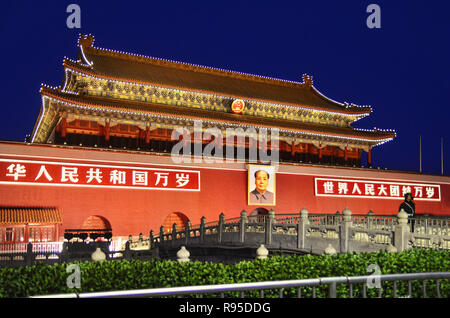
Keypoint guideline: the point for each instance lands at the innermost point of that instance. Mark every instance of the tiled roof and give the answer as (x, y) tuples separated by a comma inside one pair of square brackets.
[(200, 114), (22, 215), (141, 69)]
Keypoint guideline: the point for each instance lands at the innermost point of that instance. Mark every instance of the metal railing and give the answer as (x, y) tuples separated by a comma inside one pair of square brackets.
[(314, 283)]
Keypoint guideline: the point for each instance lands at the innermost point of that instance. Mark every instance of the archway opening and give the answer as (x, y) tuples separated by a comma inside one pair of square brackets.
[(97, 227), (258, 215), (178, 218)]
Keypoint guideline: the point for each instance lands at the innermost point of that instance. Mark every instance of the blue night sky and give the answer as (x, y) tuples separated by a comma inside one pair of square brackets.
[(401, 70)]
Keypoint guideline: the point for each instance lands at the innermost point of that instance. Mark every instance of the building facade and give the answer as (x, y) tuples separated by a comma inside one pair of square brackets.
[(101, 155)]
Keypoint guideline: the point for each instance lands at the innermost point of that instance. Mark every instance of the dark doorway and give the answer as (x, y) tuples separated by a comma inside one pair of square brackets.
[(258, 215)]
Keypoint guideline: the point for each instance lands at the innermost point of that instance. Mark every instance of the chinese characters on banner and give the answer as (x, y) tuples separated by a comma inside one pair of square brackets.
[(375, 189), (93, 175)]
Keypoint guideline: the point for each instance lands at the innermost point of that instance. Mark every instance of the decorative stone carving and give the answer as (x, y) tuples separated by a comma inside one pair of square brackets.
[(330, 250), (347, 214), (183, 255), (402, 217), (98, 255), (262, 252), (391, 249)]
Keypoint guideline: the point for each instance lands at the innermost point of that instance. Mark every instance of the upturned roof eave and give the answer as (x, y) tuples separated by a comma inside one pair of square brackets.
[(225, 118), (343, 109)]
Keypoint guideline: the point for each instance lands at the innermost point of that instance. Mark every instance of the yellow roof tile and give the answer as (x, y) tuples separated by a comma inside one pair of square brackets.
[(22, 215)]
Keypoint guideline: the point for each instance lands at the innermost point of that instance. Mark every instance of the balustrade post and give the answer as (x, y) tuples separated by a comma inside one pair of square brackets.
[(187, 232), (64, 252), (401, 231), (370, 219), (151, 239), (127, 251), (174, 233), (220, 229), (242, 226), (29, 256), (270, 219), (202, 229), (301, 228), (174, 230), (161, 235), (345, 232)]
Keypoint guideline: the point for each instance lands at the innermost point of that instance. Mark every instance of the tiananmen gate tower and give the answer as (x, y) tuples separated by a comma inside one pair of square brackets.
[(101, 155)]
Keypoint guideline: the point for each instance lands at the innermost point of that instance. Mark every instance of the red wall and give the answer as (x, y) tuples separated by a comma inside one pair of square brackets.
[(223, 189), (301, 189)]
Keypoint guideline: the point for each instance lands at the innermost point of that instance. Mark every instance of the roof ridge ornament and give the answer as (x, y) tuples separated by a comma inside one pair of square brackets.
[(86, 40), (307, 80), (83, 42)]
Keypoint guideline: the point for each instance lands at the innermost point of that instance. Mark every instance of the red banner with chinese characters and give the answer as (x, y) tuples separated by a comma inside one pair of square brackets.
[(352, 188), (32, 172)]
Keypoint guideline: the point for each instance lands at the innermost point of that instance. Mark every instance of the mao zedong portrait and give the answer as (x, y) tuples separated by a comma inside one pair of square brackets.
[(260, 195)]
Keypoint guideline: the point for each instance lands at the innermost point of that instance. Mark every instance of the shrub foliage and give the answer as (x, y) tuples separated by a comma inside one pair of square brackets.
[(134, 274)]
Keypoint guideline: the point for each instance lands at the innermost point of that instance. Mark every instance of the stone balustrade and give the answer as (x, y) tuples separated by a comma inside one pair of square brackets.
[(313, 233)]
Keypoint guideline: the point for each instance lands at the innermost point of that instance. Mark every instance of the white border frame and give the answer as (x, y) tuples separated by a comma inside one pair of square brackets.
[(100, 186), (374, 197)]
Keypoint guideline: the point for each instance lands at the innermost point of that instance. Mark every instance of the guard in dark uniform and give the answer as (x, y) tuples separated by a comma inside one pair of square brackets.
[(410, 208)]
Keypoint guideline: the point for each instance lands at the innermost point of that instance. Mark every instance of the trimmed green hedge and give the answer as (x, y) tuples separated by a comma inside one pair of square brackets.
[(120, 275)]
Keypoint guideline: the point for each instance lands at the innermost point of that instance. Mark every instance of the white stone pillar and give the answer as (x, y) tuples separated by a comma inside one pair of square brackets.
[(262, 252), (401, 231), (346, 231)]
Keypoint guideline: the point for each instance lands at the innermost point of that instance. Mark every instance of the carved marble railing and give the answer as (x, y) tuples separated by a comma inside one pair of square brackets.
[(430, 232), (341, 232)]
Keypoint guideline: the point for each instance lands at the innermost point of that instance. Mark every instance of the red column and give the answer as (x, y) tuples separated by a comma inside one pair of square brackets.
[(369, 157), (345, 154), (55, 232), (307, 152), (26, 234), (147, 134), (107, 128), (293, 149)]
